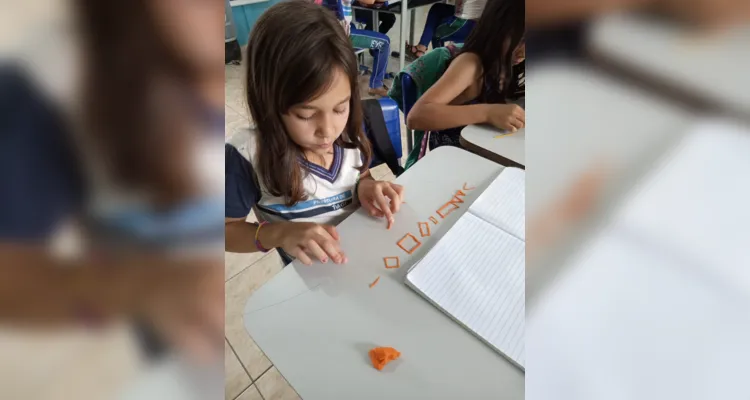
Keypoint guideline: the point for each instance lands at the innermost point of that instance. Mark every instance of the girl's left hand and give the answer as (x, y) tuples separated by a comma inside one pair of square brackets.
[(375, 195)]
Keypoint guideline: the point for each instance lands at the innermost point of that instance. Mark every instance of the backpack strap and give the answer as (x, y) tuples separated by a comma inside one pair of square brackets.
[(378, 133)]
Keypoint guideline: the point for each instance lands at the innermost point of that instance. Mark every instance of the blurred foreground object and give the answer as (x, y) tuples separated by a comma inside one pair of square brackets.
[(706, 13), (656, 306), (704, 69), (111, 196)]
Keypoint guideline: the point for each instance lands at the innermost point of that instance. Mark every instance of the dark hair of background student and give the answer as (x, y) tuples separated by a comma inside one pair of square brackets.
[(497, 34), (294, 48)]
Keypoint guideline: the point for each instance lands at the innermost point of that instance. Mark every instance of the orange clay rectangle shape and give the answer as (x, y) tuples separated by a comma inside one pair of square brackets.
[(411, 250), (468, 188), (424, 229), (389, 266), (434, 220), (375, 282), (445, 210)]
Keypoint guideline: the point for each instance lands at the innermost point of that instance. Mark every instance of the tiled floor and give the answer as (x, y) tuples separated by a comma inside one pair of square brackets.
[(249, 373)]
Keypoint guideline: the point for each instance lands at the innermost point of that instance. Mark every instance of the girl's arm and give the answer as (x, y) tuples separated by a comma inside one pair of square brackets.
[(304, 240), (433, 111)]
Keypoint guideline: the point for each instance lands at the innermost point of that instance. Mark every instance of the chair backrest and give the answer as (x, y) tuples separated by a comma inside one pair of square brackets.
[(408, 93), (385, 133)]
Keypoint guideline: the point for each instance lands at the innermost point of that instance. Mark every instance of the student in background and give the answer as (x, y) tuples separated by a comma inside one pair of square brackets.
[(447, 21), (480, 81), (387, 20), (305, 168), (378, 43)]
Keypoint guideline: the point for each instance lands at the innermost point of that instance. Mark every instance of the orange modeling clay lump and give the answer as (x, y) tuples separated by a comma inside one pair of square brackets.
[(380, 356)]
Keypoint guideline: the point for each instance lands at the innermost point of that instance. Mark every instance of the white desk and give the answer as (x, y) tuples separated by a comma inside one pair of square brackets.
[(510, 147), (711, 68), (316, 324)]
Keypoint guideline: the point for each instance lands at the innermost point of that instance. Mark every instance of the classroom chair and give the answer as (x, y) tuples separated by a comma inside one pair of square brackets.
[(392, 125), (409, 97)]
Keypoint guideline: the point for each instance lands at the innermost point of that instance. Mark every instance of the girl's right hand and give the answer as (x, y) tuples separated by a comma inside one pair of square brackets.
[(307, 241), (509, 117)]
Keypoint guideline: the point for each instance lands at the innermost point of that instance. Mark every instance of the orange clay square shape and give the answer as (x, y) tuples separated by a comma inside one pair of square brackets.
[(424, 229), (411, 249), (445, 210), (390, 266), (434, 220)]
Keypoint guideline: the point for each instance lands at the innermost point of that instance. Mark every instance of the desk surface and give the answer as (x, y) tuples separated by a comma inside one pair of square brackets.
[(510, 147), (316, 324), (711, 67)]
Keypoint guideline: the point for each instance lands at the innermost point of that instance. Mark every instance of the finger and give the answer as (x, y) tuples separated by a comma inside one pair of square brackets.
[(332, 249), (371, 209), (395, 198), (314, 249), (300, 255), (514, 124), (382, 203), (376, 212), (400, 190), (332, 231), (520, 114)]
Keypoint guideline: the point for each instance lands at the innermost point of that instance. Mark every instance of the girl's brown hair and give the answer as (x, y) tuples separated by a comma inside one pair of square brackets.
[(134, 98), (294, 48)]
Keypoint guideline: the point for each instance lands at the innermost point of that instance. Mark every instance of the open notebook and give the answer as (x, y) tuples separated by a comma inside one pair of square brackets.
[(476, 272)]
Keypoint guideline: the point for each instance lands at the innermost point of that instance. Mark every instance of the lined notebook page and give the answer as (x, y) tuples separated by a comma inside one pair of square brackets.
[(476, 274), (503, 204)]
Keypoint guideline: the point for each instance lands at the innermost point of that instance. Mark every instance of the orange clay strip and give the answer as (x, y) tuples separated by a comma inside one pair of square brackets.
[(468, 188), (398, 262), (448, 204), (456, 200), (375, 282), (434, 220), (424, 229), (411, 250), (460, 193)]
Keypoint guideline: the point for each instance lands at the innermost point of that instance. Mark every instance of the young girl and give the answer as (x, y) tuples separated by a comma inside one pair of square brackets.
[(479, 81), (304, 168)]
